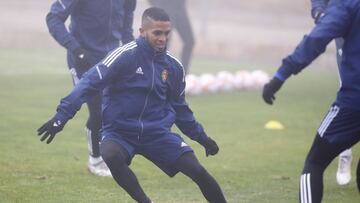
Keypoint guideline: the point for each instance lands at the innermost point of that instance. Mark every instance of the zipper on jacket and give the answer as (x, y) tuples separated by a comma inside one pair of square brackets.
[(146, 100)]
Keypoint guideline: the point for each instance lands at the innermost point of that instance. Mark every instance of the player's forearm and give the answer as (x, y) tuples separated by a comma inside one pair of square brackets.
[(192, 129), (59, 32), (331, 26), (91, 83), (303, 55)]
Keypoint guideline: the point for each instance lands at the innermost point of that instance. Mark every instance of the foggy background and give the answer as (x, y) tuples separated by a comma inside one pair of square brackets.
[(256, 34)]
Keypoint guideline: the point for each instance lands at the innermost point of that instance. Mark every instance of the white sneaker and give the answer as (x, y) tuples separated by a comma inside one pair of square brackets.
[(98, 167), (343, 175)]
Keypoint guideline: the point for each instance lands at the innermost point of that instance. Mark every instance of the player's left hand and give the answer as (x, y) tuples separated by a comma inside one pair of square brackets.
[(270, 89), (49, 129), (82, 60), (211, 148)]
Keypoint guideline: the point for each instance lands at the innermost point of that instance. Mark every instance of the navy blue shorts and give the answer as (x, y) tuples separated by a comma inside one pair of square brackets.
[(341, 126), (162, 150)]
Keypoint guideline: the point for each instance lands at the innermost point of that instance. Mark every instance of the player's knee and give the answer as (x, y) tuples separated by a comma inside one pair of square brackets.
[(199, 172), (312, 167), (320, 155), (106, 153), (111, 153)]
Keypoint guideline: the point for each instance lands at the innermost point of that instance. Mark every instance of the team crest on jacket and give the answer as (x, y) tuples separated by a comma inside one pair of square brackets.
[(164, 75)]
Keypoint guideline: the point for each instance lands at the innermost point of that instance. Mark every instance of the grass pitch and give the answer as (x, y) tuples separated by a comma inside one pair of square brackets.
[(254, 165)]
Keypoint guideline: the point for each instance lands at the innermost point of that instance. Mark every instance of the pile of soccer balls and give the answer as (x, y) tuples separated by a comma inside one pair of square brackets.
[(225, 81)]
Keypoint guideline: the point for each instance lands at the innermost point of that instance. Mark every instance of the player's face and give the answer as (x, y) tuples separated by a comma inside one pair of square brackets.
[(157, 33)]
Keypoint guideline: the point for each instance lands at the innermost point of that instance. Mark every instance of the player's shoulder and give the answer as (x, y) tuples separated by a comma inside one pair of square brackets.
[(126, 51), (174, 62)]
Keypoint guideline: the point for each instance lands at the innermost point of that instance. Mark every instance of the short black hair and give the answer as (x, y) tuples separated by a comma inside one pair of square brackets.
[(155, 13)]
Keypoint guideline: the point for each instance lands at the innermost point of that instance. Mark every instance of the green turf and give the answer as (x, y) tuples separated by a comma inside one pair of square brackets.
[(254, 164)]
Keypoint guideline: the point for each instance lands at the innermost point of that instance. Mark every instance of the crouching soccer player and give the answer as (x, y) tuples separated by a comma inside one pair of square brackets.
[(340, 128), (143, 90)]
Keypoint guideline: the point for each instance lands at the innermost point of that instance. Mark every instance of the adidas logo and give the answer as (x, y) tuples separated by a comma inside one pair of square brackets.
[(139, 71), (183, 144), (57, 123)]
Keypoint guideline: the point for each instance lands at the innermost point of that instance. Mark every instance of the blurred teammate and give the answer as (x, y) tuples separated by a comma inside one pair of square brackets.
[(181, 22), (343, 174), (340, 128), (143, 97), (96, 27)]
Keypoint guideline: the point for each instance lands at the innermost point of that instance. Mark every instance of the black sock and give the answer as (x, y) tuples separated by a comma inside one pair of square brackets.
[(115, 157), (189, 165)]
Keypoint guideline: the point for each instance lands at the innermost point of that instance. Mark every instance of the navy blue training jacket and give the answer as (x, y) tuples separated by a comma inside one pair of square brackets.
[(341, 19), (143, 93), (96, 25)]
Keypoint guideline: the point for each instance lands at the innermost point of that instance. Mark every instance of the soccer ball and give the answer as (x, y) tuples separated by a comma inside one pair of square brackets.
[(260, 78), (193, 86), (209, 83), (226, 81), (243, 80)]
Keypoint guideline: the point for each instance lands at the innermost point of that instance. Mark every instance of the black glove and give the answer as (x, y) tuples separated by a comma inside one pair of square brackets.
[(50, 129), (270, 89), (211, 148), (82, 60)]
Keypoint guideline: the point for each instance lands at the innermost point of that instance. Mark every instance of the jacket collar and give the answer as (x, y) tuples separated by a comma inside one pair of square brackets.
[(146, 47)]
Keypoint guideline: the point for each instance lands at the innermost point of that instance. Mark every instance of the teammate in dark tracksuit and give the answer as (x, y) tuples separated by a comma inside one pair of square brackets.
[(343, 174), (181, 22), (96, 27), (143, 96), (340, 128)]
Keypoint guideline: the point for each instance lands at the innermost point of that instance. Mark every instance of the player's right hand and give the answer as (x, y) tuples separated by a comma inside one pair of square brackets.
[(211, 148), (49, 129), (270, 89)]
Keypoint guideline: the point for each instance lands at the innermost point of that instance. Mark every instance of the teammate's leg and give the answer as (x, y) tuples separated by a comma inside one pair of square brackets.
[(96, 165), (343, 174), (319, 157), (190, 166), (116, 158), (182, 24), (93, 125)]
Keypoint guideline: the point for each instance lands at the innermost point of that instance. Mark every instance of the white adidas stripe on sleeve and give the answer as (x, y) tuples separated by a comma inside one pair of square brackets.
[(117, 52)]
